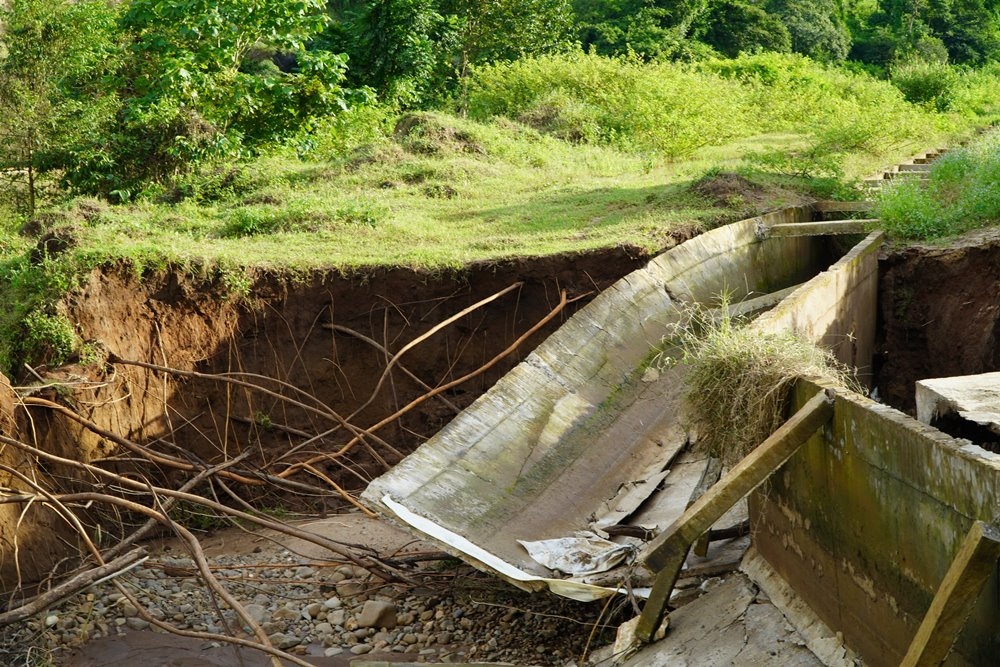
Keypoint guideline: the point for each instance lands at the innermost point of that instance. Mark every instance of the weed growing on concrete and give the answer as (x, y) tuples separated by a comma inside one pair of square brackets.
[(739, 379)]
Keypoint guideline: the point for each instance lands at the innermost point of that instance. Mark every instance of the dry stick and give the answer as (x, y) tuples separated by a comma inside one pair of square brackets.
[(74, 585), (373, 565), (332, 483), (232, 379), (134, 447), (59, 501), (171, 461), (146, 528), (294, 431), (419, 339), (381, 348), (200, 560), (563, 302)]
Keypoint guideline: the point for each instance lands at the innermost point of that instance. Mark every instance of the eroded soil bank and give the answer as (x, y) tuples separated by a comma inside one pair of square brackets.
[(940, 314), (295, 371)]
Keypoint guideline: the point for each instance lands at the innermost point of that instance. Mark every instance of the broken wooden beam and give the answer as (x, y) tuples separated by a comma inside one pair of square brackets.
[(665, 555), (709, 476), (975, 561), (824, 228)]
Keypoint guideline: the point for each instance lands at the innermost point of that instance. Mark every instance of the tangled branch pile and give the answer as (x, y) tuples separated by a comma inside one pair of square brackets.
[(129, 488)]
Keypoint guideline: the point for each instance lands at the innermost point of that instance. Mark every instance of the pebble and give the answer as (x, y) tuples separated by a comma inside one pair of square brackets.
[(297, 608)]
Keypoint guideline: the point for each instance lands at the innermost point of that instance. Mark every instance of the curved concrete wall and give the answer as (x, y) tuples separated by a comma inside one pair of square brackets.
[(536, 455)]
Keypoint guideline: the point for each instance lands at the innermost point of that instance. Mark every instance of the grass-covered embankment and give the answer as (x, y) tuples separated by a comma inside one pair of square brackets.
[(546, 155)]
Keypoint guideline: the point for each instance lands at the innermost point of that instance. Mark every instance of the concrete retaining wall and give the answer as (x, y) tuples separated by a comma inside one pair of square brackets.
[(865, 519)]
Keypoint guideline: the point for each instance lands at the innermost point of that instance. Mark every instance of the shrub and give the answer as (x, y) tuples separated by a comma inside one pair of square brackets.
[(931, 84), (963, 193), (48, 339), (668, 108)]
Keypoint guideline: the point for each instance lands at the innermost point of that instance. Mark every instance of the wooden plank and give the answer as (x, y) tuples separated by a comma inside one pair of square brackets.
[(667, 552), (824, 228), (975, 561), (711, 475)]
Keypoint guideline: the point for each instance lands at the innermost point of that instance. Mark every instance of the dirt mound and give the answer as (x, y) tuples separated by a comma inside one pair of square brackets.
[(431, 134), (741, 196)]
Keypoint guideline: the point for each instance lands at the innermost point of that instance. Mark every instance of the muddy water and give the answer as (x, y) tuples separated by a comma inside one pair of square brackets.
[(152, 649)]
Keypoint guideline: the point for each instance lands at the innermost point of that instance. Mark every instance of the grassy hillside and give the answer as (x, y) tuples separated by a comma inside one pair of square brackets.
[(543, 156)]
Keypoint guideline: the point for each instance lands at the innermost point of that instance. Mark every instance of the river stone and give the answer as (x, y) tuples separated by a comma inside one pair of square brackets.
[(377, 614), (257, 612), (285, 614), (361, 649)]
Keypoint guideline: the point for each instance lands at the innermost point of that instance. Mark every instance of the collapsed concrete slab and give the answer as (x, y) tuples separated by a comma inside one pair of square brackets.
[(589, 424)]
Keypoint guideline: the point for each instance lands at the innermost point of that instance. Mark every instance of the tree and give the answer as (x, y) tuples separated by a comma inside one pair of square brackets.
[(206, 78), (401, 48), (55, 56), (650, 28), (492, 30), (415, 51), (732, 27), (816, 27)]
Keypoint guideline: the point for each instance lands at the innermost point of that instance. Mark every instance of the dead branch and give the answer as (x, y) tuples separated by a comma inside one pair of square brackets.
[(371, 564), (421, 338), (74, 585), (134, 447), (233, 378), (381, 348), (563, 302)]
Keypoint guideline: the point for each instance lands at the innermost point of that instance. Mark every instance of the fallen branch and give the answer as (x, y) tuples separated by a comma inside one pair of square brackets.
[(563, 302), (74, 585)]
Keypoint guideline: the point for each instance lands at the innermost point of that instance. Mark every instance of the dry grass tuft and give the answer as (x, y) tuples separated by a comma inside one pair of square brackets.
[(739, 380)]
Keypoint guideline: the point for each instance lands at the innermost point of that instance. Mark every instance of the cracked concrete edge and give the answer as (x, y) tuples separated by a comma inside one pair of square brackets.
[(826, 644)]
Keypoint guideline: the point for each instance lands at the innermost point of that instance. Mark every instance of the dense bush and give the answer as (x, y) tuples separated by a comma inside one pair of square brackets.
[(928, 83), (663, 107)]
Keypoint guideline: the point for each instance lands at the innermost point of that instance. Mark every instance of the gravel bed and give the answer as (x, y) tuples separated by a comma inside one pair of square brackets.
[(316, 610)]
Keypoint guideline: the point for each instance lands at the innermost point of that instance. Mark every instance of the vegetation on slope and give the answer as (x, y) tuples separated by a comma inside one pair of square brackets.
[(961, 195), (227, 136)]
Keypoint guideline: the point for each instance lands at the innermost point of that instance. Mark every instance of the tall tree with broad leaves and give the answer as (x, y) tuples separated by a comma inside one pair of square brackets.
[(55, 56), (206, 78), (816, 27)]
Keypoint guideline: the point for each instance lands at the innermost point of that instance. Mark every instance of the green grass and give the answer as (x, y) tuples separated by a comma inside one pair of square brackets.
[(962, 194), (565, 155)]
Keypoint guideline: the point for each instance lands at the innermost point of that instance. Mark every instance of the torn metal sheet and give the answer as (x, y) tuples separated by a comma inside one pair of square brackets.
[(579, 434)]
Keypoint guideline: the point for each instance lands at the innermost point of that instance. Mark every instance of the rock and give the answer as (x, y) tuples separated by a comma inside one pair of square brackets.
[(283, 640), (257, 612), (350, 588), (333, 603), (332, 651), (304, 572), (377, 614), (136, 623), (313, 610), (285, 613), (51, 620), (361, 649), (336, 617)]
